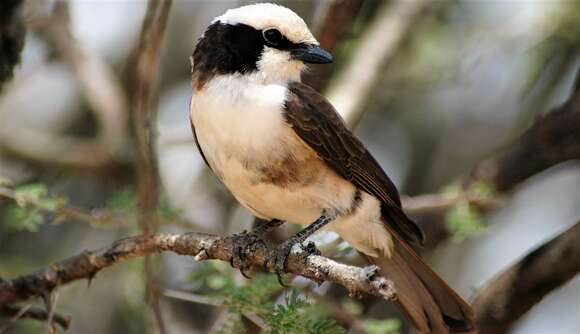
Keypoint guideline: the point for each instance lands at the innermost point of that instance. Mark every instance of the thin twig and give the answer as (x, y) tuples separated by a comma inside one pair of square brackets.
[(144, 115), (19, 313), (29, 312), (517, 289), (193, 298), (442, 202)]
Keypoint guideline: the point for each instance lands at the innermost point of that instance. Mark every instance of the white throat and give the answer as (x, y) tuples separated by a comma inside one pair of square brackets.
[(276, 67)]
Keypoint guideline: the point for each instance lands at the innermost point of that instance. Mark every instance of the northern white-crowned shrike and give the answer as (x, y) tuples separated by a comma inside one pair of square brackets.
[(286, 155)]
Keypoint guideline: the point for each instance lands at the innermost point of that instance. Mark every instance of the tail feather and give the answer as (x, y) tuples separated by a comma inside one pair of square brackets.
[(422, 295)]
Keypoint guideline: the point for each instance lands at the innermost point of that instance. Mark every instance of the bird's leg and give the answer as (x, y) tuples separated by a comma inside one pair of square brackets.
[(280, 255), (242, 242)]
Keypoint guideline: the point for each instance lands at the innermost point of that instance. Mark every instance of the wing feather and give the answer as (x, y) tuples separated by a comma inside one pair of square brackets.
[(316, 122)]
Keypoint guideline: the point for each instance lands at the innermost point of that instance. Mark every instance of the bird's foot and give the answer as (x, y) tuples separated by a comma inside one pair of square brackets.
[(279, 256), (242, 244)]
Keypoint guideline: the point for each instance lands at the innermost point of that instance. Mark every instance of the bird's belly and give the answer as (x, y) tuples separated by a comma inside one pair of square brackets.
[(268, 200), (264, 164)]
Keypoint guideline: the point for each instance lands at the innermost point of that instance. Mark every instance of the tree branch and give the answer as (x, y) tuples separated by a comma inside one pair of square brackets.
[(202, 247), (552, 139), (519, 288), (334, 24), (144, 116)]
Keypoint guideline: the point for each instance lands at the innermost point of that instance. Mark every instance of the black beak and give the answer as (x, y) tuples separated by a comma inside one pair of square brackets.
[(312, 54)]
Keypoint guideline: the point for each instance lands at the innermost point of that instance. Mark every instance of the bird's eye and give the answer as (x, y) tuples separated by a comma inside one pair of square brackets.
[(272, 36)]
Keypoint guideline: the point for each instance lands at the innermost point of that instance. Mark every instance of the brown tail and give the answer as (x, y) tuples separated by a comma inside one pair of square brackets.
[(422, 295)]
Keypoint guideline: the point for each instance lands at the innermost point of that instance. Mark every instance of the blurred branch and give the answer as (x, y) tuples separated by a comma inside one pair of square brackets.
[(51, 149), (103, 92), (29, 312), (144, 110), (12, 35), (144, 119), (102, 89), (202, 247), (431, 211), (552, 139), (515, 291), (437, 202), (377, 46), (330, 29)]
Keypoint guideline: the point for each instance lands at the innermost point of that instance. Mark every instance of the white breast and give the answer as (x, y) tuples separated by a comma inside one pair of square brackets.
[(240, 125), (236, 117)]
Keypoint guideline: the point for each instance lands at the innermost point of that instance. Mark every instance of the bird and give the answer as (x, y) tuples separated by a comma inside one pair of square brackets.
[(286, 155)]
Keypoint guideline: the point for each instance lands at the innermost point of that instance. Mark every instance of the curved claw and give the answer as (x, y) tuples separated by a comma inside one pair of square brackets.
[(280, 257), (241, 242)]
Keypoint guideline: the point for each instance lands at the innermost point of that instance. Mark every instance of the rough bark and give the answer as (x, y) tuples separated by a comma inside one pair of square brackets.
[(202, 247)]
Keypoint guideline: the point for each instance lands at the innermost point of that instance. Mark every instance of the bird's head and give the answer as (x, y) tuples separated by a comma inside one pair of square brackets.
[(267, 43)]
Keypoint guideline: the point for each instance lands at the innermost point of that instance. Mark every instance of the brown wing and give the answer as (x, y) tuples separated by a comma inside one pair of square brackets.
[(317, 123)]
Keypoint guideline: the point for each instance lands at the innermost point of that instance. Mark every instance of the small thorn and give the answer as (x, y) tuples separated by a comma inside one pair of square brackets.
[(202, 255)]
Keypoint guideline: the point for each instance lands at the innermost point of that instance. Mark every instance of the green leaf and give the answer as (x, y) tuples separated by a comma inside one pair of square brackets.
[(29, 193), (386, 326), (52, 204), (211, 275), (32, 202), (23, 219), (5, 182), (299, 315), (463, 221), (168, 212), (352, 307), (483, 190), (123, 202)]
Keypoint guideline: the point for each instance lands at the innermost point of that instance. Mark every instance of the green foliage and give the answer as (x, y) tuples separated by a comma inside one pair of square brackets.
[(295, 315), (32, 203), (253, 297), (123, 202), (352, 307), (386, 326), (211, 276), (298, 315), (464, 221), (482, 190), (167, 212), (5, 182)]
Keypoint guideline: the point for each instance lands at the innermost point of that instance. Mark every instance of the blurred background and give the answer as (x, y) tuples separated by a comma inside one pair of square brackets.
[(452, 83)]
